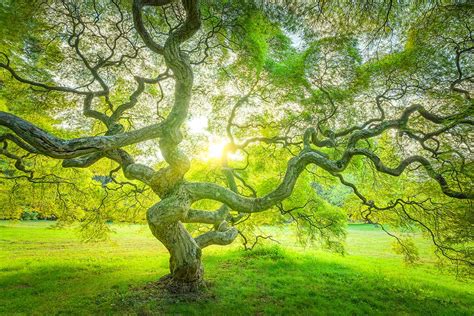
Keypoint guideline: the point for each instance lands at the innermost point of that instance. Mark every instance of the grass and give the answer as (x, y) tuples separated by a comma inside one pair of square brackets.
[(48, 271)]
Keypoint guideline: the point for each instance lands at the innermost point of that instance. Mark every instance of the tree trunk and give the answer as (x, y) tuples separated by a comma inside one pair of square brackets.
[(186, 272)]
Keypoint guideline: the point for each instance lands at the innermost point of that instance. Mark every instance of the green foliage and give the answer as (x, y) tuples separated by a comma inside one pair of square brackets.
[(71, 195), (258, 32), (274, 252), (289, 68), (29, 215), (408, 249)]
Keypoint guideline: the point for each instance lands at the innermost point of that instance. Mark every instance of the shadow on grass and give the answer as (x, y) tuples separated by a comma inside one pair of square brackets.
[(54, 288), (264, 282)]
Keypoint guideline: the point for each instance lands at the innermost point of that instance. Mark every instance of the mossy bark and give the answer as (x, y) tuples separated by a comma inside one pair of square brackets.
[(186, 271), (164, 220)]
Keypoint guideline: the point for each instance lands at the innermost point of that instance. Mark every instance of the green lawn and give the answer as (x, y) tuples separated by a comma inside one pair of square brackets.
[(49, 271)]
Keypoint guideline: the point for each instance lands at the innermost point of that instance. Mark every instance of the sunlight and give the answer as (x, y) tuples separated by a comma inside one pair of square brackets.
[(215, 150), (215, 145), (198, 125)]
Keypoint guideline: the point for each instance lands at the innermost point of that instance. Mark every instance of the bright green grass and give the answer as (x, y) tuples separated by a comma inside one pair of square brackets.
[(48, 271)]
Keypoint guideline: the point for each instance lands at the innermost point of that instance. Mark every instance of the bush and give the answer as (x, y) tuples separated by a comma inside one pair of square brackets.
[(29, 215), (271, 252)]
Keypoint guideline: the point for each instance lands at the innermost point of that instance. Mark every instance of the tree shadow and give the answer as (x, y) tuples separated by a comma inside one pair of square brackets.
[(54, 288), (239, 284), (271, 282)]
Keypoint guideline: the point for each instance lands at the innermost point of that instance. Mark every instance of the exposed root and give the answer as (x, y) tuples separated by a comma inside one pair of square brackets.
[(179, 287), (162, 293)]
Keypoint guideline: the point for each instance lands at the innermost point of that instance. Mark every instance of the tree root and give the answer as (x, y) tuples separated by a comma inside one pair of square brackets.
[(174, 286)]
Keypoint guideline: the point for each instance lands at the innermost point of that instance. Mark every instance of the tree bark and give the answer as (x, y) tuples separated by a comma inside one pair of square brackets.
[(164, 220), (186, 271)]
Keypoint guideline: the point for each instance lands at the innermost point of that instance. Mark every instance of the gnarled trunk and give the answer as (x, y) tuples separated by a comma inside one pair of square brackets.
[(186, 272)]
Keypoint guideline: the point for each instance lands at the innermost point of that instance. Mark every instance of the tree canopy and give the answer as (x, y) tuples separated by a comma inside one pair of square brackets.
[(210, 118)]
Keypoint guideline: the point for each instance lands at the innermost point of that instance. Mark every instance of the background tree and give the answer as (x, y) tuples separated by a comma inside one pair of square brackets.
[(310, 98)]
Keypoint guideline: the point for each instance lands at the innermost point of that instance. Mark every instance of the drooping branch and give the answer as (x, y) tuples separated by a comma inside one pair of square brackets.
[(397, 171), (295, 166), (19, 163), (249, 205), (246, 242), (52, 146), (402, 205), (44, 86), (362, 132), (217, 237), (310, 156), (18, 142)]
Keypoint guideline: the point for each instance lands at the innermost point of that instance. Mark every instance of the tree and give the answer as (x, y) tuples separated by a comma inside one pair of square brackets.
[(361, 94)]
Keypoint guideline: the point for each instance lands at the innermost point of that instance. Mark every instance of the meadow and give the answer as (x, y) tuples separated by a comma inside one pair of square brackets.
[(46, 270)]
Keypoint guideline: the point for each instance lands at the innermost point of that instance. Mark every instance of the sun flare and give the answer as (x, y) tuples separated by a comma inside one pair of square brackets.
[(215, 150)]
